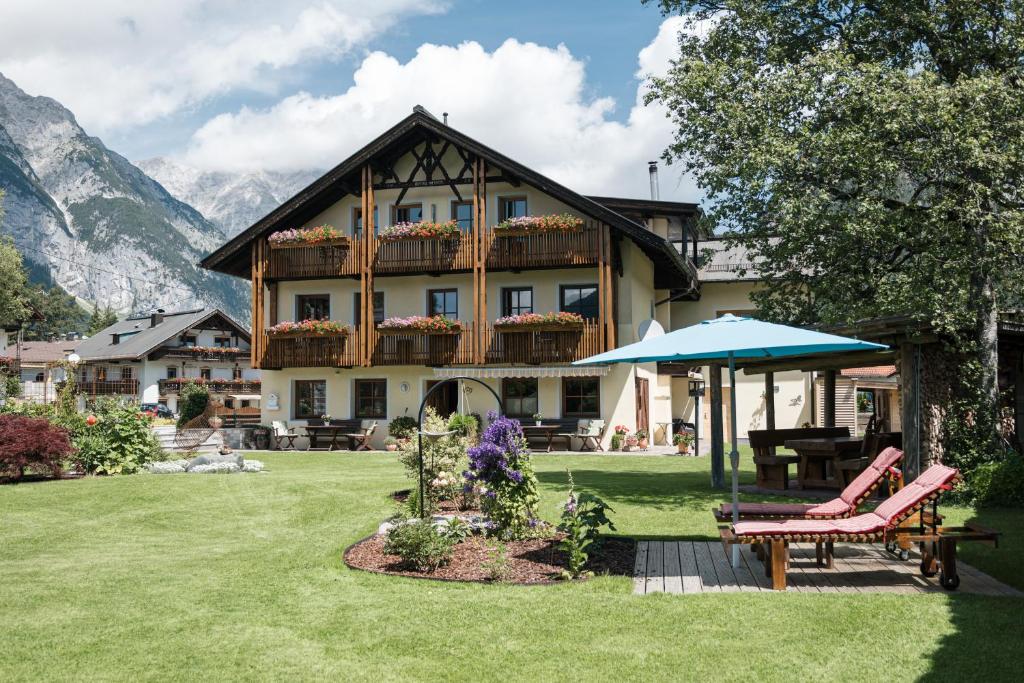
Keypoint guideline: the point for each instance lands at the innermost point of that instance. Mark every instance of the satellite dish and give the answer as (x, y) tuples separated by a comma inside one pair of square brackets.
[(649, 329)]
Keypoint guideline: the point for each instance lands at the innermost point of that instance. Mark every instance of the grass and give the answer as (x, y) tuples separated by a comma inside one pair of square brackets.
[(240, 577)]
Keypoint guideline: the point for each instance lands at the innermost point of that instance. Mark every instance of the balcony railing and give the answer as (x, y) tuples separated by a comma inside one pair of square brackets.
[(422, 349), (324, 261), (543, 250), (229, 355), (535, 347), (218, 386), (424, 256), (310, 352), (110, 387)]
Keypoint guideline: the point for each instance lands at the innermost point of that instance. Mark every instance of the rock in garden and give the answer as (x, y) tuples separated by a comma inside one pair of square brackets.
[(215, 459)]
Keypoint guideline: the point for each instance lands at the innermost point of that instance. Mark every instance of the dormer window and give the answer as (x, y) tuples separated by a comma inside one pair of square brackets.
[(406, 213)]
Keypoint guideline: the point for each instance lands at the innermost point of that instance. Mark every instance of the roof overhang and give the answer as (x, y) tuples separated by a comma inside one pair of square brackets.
[(538, 371)]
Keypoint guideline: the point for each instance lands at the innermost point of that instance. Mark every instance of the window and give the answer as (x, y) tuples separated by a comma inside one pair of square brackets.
[(236, 372), (580, 299), (204, 373), (172, 372), (127, 373), (516, 300), (310, 399), (520, 396), (39, 377), (581, 397), (357, 221), (462, 213), (443, 302), (371, 398), (511, 207), (222, 342), (188, 341), (378, 308), (406, 213), (313, 307)]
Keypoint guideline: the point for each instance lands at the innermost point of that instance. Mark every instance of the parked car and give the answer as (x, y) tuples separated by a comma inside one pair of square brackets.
[(158, 409)]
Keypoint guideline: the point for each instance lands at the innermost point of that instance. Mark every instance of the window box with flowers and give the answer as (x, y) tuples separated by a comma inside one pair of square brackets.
[(523, 226), (307, 328), (208, 351), (562, 321), (425, 230), (320, 236), (419, 324)]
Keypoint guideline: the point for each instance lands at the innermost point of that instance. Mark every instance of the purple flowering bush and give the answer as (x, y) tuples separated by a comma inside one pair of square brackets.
[(501, 473)]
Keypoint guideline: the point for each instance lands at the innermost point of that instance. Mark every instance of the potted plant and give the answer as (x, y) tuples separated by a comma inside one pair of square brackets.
[(419, 324), (631, 442), (326, 418), (641, 439), (619, 436), (391, 444), (261, 437), (537, 419), (319, 236), (683, 441)]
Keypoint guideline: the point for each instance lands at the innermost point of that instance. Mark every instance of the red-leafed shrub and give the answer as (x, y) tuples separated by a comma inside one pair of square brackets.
[(32, 443)]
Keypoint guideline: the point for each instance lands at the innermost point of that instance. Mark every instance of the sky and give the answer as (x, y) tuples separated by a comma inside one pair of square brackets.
[(244, 85)]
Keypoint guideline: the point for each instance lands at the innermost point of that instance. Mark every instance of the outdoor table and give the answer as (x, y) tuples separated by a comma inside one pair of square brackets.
[(817, 454), (542, 430), (315, 432), (663, 428)]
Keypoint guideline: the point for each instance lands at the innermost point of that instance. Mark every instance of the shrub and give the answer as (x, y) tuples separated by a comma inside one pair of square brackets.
[(457, 529), (501, 472), (582, 518), (403, 427), (10, 387), (443, 459), (997, 484), (464, 425), (32, 443), (420, 545), (497, 564), (192, 402), (120, 441)]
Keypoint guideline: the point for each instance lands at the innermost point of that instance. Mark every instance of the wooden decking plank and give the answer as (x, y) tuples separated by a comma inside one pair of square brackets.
[(688, 566), (706, 569), (755, 570), (673, 575), (796, 579), (723, 567), (882, 575), (655, 567), (640, 568), (805, 554), (838, 578)]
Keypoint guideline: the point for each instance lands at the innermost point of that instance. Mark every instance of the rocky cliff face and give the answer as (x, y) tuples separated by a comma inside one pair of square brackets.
[(232, 201), (101, 228)]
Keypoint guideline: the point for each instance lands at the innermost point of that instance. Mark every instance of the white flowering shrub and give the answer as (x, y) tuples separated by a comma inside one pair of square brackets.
[(253, 466), (167, 467), (216, 468)]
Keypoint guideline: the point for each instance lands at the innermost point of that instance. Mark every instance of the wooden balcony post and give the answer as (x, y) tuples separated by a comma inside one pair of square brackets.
[(606, 278), (365, 340), (769, 400), (272, 293), (830, 398), (259, 265), (480, 248), (717, 433)]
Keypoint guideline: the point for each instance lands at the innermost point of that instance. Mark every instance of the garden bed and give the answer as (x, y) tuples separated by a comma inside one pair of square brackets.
[(533, 561)]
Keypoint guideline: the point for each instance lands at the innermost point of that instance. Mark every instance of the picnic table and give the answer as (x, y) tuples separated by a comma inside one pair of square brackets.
[(317, 432), (820, 459), (542, 430)]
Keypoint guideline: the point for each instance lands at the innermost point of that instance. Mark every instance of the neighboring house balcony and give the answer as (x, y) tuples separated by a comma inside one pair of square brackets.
[(109, 387), (202, 353), (217, 386), (9, 366)]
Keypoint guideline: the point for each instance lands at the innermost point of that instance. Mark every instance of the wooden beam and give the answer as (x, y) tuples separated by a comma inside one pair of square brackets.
[(855, 359), (1018, 398), (483, 246), (910, 412), (272, 293), (436, 183), (717, 429), (829, 416), (478, 324), (371, 251), (603, 293), (769, 400)]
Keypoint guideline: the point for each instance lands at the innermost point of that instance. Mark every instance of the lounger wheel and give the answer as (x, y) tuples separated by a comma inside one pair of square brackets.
[(950, 583), (926, 569), (904, 555)]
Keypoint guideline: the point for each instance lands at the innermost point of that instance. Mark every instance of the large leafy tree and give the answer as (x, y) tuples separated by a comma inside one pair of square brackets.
[(12, 277), (57, 313), (869, 153)]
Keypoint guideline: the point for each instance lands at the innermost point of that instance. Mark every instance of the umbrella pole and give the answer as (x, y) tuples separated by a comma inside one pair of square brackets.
[(734, 456)]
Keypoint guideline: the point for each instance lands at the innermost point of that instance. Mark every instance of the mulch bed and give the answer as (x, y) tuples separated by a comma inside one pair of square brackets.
[(444, 507), (534, 561)]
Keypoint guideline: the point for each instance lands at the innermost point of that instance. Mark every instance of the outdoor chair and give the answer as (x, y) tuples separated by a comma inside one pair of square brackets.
[(883, 467), (772, 469), (359, 440), (590, 433), (884, 524), (282, 434)]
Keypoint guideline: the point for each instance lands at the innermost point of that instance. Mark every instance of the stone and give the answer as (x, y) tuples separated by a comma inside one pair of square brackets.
[(215, 459)]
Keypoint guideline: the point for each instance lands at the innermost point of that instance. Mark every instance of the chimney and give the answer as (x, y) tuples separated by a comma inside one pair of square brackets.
[(156, 318), (445, 115), (652, 170)]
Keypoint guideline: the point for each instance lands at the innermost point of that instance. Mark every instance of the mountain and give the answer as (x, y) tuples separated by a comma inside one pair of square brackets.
[(232, 201), (97, 225)]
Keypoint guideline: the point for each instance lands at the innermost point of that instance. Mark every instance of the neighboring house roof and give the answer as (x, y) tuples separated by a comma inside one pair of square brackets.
[(40, 353), (876, 371), (136, 337), (722, 263), (672, 269)]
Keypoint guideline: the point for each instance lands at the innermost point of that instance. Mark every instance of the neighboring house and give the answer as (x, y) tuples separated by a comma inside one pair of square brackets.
[(862, 392), (624, 265), (40, 365), (148, 358)]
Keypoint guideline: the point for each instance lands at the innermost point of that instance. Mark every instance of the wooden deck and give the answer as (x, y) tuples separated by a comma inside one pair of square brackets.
[(689, 567)]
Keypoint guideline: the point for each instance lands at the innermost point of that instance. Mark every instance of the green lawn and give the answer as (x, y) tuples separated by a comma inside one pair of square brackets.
[(240, 577)]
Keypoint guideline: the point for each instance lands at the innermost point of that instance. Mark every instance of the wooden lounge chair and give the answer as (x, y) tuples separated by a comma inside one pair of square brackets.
[(883, 467), (884, 524), (282, 433)]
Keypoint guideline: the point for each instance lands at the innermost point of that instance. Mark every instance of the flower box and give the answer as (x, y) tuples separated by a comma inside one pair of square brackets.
[(306, 334), (525, 226), (537, 322), (418, 324), (307, 329), (426, 230), (320, 236), (337, 243)]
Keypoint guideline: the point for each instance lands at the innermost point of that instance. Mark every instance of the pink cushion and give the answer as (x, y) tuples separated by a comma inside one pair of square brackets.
[(837, 507), (874, 472), (867, 523), (930, 481), (780, 509)]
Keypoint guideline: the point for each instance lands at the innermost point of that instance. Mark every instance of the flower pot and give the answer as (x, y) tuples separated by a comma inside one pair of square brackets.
[(392, 447), (537, 423), (642, 443), (684, 448), (336, 242)]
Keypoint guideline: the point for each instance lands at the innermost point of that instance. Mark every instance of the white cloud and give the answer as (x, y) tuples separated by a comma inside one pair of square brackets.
[(525, 100), (124, 62)]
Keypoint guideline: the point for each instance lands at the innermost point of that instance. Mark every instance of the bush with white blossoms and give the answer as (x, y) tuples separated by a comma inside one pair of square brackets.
[(181, 466), (443, 458), (167, 467)]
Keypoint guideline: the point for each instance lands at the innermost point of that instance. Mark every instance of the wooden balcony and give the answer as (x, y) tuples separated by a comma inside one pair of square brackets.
[(536, 347), (422, 349), (200, 354), (109, 387), (310, 352), (318, 261), (217, 386), (544, 250), (424, 256)]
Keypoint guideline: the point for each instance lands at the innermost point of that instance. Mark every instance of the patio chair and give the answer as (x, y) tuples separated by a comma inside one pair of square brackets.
[(883, 467), (591, 434), (884, 524), (282, 433), (360, 440)]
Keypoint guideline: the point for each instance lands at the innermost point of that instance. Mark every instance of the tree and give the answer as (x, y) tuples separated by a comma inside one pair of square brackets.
[(58, 314), (12, 275), (100, 319), (867, 153)]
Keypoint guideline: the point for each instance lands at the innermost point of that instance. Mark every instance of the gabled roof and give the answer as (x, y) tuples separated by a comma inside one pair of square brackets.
[(138, 336), (40, 352), (672, 269)]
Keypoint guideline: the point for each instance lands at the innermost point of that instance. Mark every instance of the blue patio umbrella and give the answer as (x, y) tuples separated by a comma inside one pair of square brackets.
[(730, 338)]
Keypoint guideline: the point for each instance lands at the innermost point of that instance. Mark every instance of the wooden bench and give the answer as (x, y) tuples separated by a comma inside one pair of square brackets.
[(357, 431), (772, 469), (566, 428)]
